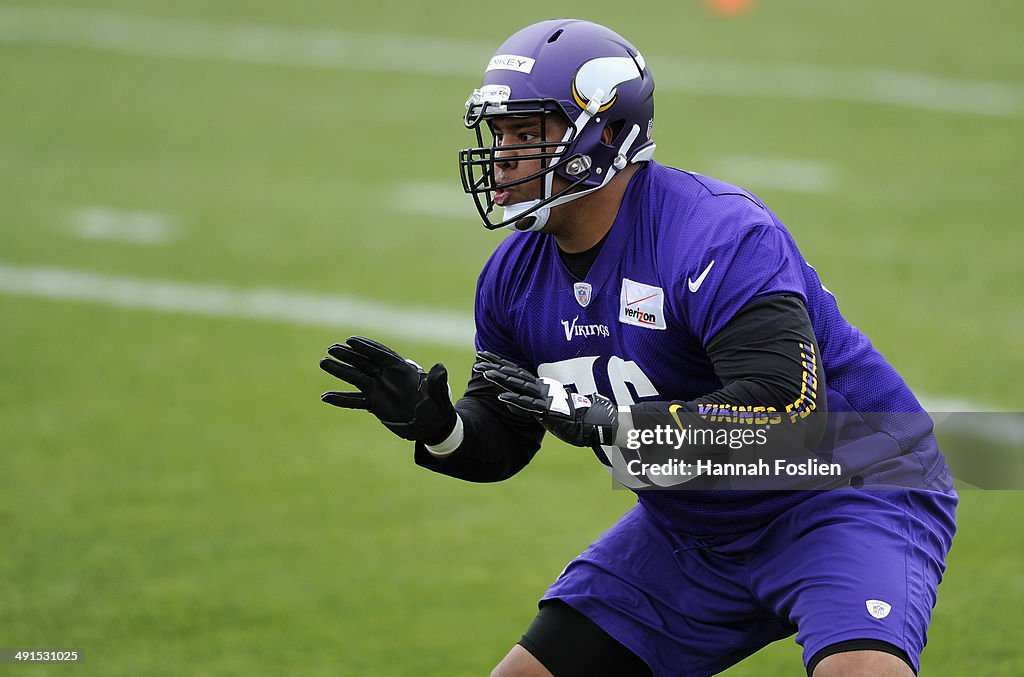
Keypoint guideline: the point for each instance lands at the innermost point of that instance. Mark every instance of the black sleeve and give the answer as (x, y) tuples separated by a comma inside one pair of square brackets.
[(772, 376), (497, 442)]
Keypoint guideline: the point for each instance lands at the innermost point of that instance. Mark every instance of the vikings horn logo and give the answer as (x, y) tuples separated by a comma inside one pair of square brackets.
[(602, 76)]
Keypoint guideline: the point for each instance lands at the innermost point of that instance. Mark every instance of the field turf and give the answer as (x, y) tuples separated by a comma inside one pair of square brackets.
[(174, 499)]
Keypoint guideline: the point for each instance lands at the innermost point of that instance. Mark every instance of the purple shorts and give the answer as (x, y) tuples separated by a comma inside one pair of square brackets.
[(843, 565)]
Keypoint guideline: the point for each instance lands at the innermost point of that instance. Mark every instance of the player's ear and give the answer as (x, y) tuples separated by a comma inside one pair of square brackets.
[(610, 131)]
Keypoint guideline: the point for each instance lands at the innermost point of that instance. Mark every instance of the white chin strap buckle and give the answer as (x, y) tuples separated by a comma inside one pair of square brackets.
[(531, 222)]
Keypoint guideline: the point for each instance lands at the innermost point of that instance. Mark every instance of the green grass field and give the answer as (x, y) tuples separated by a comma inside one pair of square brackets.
[(174, 499)]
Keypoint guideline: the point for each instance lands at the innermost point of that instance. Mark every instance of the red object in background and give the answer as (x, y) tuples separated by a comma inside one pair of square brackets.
[(729, 7)]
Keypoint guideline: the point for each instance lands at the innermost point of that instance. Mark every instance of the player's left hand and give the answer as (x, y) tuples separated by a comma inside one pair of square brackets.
[(581, 420)]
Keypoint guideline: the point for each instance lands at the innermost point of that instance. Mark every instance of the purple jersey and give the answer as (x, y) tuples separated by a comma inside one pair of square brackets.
[(685, 253)]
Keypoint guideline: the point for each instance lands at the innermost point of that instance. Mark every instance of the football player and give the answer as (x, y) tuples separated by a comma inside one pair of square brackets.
[(637, 296)]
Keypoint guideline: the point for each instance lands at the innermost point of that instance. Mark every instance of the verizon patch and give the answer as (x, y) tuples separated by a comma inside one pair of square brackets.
[(642, 305)]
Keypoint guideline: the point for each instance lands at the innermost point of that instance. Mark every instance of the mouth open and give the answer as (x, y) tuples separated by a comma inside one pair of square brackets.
[(501, 197)]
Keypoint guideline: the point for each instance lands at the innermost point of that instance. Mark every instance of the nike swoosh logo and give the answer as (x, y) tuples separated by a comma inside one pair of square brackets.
[(694, 285)]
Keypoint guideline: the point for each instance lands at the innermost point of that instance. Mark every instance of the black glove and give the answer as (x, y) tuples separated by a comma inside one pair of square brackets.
[(581, 420), (411, 403)]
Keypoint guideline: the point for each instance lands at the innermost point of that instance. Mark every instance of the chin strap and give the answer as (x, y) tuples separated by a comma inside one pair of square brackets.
[(535, 217), (535, 220)]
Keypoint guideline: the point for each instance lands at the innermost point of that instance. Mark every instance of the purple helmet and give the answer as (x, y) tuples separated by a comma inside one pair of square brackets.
[(588, 74)]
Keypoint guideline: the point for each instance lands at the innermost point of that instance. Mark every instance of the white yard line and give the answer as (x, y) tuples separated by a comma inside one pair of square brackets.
[(444, 199), (291, 307), (775, 173), (106, 223), (125, 33), (802, 81)]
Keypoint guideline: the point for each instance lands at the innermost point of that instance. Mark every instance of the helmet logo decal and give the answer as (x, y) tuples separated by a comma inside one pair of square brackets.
[(511, 62), (601, 77)]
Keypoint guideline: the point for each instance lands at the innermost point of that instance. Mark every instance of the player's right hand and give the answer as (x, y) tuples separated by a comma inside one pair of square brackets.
[(411, 403)]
